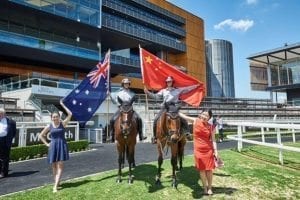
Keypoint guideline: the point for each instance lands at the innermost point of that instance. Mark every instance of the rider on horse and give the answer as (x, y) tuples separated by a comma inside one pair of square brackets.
[(170, 95), (125, 94)]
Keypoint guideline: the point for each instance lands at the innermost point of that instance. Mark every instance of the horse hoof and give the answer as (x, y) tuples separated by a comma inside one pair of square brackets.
[(157, 182), (174, 185), (119, 180)]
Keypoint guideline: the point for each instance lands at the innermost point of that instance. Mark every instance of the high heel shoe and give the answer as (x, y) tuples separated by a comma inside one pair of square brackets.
[(54, 190), (209, 191)]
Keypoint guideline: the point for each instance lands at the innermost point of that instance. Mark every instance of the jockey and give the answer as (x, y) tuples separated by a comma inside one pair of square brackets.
[(125, 94), (170, 95)]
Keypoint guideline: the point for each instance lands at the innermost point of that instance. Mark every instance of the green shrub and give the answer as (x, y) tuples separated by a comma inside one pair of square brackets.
[(33, 151)]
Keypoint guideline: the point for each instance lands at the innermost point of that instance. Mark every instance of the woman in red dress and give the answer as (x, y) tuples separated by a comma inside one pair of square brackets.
[(205, 148)]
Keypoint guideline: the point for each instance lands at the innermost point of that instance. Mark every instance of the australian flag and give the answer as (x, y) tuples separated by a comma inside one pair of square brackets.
[(86, 98)]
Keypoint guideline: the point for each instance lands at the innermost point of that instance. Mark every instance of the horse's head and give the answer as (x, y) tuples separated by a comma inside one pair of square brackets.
[(126, 113), (172, 121)]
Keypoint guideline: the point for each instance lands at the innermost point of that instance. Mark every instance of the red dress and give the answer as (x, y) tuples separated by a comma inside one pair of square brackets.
[(203, 148)]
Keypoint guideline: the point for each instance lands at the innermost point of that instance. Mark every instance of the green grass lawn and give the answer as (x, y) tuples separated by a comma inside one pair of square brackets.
[(243, 177)]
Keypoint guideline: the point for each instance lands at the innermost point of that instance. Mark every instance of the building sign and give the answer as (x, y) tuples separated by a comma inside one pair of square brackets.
[(32, 136), (50, 91)]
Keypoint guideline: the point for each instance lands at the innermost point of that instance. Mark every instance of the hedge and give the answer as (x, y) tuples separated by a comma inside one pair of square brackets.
[(41, 150)]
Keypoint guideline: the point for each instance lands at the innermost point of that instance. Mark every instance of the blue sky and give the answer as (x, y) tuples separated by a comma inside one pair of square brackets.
[(251, 26)]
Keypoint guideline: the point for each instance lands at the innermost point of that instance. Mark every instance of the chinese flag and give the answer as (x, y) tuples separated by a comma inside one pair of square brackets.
[(155, 71)]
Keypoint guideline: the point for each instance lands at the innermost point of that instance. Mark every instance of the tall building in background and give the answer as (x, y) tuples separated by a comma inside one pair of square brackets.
[(219, 68)]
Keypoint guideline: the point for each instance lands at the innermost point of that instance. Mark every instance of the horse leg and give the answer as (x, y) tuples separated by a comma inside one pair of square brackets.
[(120, 160), (181, 145), (160, 161), (133, 158), (130, 163), (174, 151), (123, 160)]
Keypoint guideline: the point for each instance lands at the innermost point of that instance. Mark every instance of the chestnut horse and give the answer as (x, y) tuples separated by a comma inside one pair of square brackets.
[(168, 132), (126, 132)]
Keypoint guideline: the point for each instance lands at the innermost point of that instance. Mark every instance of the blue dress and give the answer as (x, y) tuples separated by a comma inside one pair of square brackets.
[(58, 150)]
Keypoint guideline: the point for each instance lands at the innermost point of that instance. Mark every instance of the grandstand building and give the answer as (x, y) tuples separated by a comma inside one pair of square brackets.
[(47, 47), (277, 71), (67, 38)]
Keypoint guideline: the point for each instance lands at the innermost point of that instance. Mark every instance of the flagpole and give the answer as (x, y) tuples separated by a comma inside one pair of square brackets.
[(108, 99), (146, 97)]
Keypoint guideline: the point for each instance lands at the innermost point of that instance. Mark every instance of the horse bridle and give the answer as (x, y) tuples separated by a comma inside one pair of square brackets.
[(173, 116), (125, 131)]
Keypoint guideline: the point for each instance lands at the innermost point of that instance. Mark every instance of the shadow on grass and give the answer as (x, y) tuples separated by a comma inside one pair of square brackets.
[(184, 178), (84, 181), (146, 173), (218, 174)]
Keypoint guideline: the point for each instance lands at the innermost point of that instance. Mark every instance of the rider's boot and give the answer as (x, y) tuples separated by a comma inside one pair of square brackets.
[(140, 128), (154, 139), (112, 132)]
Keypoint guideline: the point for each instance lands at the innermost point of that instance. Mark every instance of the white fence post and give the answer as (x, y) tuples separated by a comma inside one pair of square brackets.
[(279, 143), (262, 134), (77, 132), (294, 136), (22, 136), (240, 143), (99, 135), (89, 135)]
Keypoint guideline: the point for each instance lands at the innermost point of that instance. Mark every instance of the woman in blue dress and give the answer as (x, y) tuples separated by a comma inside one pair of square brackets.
[(58, 149)]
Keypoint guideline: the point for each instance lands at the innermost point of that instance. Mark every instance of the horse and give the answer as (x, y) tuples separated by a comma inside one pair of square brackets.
[(168, 132), (125, 131)]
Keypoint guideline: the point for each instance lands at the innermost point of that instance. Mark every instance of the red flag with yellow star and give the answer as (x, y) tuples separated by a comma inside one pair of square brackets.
[(155, 71)]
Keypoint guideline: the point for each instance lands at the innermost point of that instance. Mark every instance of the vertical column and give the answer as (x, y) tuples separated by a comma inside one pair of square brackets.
[(240, 143), (262, 134), (279, 143), (269, 79)]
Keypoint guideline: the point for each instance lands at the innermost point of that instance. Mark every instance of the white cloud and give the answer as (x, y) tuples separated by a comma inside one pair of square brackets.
[(251, 2), (240, 25)]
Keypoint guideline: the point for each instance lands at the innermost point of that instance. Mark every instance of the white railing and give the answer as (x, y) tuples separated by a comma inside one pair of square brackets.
[(93, 135), (241, 132)]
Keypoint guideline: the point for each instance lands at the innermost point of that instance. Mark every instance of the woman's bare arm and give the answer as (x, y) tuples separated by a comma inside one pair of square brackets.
[(189, 119), (69, 116)]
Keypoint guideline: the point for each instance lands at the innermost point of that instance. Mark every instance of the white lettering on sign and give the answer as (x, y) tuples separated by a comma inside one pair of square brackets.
[(52, 91)]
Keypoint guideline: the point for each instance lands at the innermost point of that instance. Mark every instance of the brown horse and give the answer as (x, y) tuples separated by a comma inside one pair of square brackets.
[(168, 132), (126, 132)]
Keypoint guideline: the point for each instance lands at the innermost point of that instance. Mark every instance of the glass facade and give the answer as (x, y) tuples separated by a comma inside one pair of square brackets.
[(282, 73), (85, 29), (134, 29), (220, 73), (148, 17), (128, 18), (139, 23), (85, 11)]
